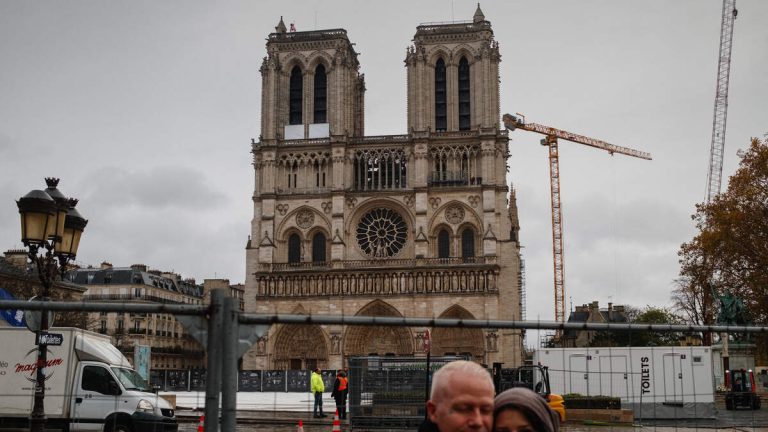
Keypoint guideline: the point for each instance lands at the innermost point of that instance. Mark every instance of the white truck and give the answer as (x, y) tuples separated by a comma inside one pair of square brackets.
[(89, 385)]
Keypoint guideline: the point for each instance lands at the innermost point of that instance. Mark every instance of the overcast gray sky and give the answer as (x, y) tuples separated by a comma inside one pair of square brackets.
[(145, 110)]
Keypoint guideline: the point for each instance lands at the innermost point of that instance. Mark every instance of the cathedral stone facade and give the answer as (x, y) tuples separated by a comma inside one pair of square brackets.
[(420, 224)]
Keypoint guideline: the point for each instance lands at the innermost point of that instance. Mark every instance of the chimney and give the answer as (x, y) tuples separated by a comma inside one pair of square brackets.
[(139, 267)]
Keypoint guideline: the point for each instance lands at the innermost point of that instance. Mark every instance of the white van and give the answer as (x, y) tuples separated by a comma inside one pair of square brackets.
[(90, 386)]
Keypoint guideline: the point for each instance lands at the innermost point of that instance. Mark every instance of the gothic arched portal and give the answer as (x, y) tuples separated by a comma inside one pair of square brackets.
[(457, 341), (378, 340), (300, 347)]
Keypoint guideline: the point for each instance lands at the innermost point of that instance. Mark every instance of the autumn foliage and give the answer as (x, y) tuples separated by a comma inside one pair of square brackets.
[(730, 250)]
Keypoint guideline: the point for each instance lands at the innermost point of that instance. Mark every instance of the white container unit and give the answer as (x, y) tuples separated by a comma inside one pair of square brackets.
[(656, 382)]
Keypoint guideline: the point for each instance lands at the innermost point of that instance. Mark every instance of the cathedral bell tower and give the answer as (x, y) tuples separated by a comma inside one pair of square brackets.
[(453, 77), (311, 87)]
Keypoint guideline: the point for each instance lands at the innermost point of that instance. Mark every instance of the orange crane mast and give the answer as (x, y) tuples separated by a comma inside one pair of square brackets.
[(551, 135)]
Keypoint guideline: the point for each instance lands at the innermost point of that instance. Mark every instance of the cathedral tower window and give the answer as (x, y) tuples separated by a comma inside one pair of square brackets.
[(318, 248), (321, 94), (319, 174), (296, 92), (441, 97), (443, 244), (293, 170), (464, 112), (468, 243), (294, 249), (380, 169)]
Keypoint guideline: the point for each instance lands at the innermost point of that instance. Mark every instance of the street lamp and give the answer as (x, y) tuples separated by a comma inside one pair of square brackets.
[(51, 229)]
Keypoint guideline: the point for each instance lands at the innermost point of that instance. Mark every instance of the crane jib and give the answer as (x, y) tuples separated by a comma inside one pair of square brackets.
[(581, 139)]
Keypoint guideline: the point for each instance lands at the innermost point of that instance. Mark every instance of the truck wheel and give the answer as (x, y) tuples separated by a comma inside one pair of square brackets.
[(120, 427)]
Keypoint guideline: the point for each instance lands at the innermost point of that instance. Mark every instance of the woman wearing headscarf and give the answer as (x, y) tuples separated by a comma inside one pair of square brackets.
[(521, 410)]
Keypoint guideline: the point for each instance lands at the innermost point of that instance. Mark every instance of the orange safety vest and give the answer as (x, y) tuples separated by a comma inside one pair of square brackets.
[(342, 383)]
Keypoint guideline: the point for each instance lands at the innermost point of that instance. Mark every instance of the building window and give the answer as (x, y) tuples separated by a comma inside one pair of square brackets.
[(380, 169), (464, 105), (318, 248), (295, 93), (294, 249), (319, 174), (441, 99), (320, 94), (468, 243), (443, 244), (293, 169), (382, 233)]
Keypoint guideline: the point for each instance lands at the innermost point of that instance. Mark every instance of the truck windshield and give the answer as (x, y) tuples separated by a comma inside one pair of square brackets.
[(130, 379)]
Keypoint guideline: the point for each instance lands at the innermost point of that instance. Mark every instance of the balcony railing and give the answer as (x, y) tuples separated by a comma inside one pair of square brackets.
[(401, 277), (453, 178), (390, 263)]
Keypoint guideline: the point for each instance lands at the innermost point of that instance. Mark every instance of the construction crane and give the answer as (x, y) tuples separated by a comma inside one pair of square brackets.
[(551, 135), (715, 174)]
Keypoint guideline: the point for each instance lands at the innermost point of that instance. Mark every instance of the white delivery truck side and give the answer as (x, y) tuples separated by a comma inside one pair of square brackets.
[(89, 385)]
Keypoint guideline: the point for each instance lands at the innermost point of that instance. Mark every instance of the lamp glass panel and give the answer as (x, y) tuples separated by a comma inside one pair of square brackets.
[(55, 227), (34, 226), (75, 242), (65, 247)]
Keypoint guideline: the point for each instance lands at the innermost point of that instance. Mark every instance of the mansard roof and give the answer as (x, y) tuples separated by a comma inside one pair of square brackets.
[(133, 276)]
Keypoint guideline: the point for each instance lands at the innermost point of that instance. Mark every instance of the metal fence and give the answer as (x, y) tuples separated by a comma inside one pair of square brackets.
[(677, 386)]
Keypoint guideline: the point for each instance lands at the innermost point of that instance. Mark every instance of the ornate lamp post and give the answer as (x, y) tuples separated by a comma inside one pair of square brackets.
[(51, 229)]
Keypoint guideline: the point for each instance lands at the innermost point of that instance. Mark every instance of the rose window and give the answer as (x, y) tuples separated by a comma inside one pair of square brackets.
[(382, 233)]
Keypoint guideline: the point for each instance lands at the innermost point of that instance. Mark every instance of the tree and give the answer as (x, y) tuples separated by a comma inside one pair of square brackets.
[(731, 249), (648, 315)]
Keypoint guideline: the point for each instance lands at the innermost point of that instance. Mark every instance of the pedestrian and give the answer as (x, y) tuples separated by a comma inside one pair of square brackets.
[(521, 410), (461, 399), (340, 391), (317, 388)]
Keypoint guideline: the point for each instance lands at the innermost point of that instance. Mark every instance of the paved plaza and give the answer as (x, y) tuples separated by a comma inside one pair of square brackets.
[(280, 412)]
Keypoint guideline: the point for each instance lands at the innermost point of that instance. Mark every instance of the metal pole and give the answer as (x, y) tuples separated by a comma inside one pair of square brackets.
[(37, 418), (229, 366), (213, 376)]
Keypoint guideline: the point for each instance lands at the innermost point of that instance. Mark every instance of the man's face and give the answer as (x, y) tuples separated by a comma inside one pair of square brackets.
[(465, 403)]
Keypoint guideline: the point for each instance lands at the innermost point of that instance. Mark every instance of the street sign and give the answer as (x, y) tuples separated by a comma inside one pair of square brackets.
[(34, 318), (49, 339)]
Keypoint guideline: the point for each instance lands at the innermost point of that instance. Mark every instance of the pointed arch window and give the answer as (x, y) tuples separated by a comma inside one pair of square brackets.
[(321, 94), (468, 243), (318, 248), (441, 97), (464, 105), (294, 249), (295, 94), (443, 244)]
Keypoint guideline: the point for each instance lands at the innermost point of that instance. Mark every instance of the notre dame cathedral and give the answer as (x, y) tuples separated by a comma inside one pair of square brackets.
[(421, 224)]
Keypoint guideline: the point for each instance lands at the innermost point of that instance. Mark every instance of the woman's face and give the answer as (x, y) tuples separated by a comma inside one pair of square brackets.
[(512, 420)]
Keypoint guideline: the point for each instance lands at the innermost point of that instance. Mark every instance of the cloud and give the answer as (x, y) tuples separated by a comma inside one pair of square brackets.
[(155, 188)]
